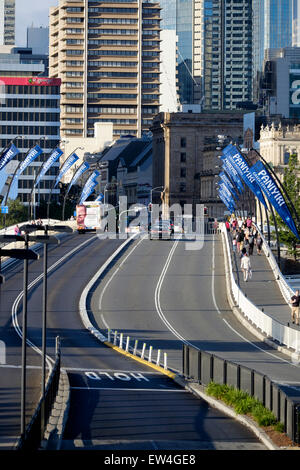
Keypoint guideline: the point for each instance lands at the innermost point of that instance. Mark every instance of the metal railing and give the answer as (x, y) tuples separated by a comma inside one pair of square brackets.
[(204, 367), (270, 327), (35, 430)]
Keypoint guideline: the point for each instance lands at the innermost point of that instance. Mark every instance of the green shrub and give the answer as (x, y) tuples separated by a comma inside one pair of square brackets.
[(243, 403)]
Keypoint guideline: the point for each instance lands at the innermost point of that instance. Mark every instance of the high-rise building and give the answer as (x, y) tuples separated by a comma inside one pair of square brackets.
[(7, 22), (272, 29), (38, 40), (107, 55), (225, 53), (30, 109), (214, 50)]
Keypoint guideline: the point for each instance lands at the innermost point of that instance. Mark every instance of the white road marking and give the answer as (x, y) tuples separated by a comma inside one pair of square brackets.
[(15, 323), (113, 275), (131, 389)]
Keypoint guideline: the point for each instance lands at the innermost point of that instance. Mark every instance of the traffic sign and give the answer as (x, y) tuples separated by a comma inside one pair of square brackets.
[(4, 209)]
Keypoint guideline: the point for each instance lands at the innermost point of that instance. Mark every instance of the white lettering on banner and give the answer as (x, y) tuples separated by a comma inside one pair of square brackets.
[(244, 167), (116, 376), (295, 98), (271, 187)]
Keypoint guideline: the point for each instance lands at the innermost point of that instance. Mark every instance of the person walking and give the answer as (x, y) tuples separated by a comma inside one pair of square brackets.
[(246, 266), (295, 300), (250, 243), (17, 230), (259, 243)]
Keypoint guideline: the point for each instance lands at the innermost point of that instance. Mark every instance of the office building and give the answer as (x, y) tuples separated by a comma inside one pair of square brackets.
[(38, 40), (224, 53), (185, 154), (29, 107), (279, 85), (108, 58), (7, 22), (275, 23)]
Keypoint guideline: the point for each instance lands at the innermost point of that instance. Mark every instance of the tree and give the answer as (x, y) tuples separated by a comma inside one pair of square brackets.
[(291, 183), (17, 212)]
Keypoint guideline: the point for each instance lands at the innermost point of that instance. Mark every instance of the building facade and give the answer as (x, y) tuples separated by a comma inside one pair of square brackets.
[(30, 109), (280, 83), (272, 29), (185, 155), (7, 22), (108, 58), (277, 143)]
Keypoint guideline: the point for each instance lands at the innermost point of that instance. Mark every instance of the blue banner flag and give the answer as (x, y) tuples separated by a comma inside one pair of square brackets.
[(30, 157), (8, 155), (66, 166), (228, 183), (274, 195), (233, 174), (225, 190), (227, 196), (227, 203), (87, 191), (55, 155), (100, 197), (92, 178), (240, 164), (82, 169)]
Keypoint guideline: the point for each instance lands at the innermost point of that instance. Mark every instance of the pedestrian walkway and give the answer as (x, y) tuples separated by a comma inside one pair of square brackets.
[(262, 289)]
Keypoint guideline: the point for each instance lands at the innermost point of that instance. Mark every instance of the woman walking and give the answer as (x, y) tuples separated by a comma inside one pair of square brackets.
[(246, 266)]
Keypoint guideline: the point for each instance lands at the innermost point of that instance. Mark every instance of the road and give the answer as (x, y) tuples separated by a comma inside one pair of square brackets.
[(167, 294), (115, 402)]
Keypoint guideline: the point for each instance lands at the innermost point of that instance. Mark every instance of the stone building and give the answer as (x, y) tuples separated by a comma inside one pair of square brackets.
[(277, 143), (185, 156)]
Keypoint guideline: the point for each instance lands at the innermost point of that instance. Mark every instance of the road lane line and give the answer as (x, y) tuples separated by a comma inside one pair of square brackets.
[(113, 275), (131, 389), (157, 296), (15, 306)]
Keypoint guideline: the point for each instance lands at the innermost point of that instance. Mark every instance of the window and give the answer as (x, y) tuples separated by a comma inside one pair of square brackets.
[(182, 187), (182, 172), (183, 157), (183, 142)]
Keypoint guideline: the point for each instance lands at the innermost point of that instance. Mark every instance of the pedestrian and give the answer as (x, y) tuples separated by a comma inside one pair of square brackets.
[(234, 225), (295, 300), (17, 230), (227, 226), (238, 240), (246, 267), (259, 243), (234, 243), (250, 244), (249, 221)]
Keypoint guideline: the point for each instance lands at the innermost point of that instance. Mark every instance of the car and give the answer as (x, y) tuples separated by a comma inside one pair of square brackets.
[(161, 229)]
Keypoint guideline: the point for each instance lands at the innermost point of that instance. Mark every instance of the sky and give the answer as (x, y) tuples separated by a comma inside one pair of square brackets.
[(28, 12)]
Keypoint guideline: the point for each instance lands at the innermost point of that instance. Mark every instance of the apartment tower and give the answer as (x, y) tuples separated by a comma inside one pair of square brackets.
[(107, 55), (7, 22)]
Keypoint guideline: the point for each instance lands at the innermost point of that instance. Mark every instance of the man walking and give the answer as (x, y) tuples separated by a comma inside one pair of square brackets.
[(295, 300)]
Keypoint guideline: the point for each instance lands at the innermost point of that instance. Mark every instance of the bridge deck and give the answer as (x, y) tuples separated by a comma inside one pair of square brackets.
[(263, 289)]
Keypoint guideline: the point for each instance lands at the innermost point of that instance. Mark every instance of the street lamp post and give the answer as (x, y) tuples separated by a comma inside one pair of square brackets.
[(49, 199), (24, 254)]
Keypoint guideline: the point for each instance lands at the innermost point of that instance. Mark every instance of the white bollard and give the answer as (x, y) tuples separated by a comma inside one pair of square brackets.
[(108, 335), (135, 347), (2, 352), (158, 358), (150, 354), (143, 351), (127, 343), (165, 361), (121, 341), (115, 337)]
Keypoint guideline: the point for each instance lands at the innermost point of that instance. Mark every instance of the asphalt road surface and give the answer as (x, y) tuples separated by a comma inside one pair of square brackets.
[(116, 403)]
